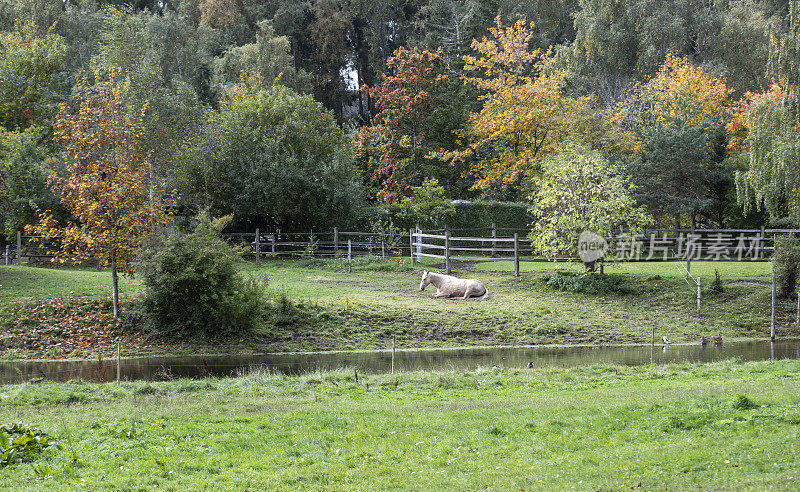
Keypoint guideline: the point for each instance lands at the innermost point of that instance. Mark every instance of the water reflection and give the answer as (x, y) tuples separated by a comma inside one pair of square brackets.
[(412, 360)]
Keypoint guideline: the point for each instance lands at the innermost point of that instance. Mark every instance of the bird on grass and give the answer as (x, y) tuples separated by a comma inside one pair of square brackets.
[(666, 340), (717, 339), (703, 340), (530, 365)]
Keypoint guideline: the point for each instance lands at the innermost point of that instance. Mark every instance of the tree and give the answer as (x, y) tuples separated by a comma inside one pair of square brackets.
[(419, 112), (270, 56), (682, 93), (525, 113), (673, 174), (428, 205), (773, 131), (105, 186), (272, 158), (163, 58), (680, 115), (24, 166), (581, 191), (28, 63)]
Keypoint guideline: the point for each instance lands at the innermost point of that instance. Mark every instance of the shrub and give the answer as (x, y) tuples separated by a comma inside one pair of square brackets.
[(193, 287), (786, 264), (20, 443), (588, 283)]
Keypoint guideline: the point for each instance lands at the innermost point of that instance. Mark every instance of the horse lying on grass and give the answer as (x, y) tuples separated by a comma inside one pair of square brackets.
[(449, 286)]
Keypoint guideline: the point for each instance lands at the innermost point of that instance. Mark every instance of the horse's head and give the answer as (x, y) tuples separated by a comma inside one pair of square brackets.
[(426, 279)]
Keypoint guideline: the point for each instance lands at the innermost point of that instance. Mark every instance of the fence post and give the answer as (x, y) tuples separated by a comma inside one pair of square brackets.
[(411, 245), (8, 252), (274, 240), (393, 342), (494, 239), (699, 290), (19, 247), (772, 316), (349, 255), (383, 246), (447, 251), (689, 256), (798, 309), (118, 364), (516, 254), (258, 247), (419, 245), (335, 240)]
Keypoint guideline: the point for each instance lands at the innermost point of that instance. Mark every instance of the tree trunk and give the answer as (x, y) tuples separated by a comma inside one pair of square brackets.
[(115, 286)]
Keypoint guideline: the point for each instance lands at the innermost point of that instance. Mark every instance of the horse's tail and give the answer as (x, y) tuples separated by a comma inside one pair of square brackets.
[(485, 294)]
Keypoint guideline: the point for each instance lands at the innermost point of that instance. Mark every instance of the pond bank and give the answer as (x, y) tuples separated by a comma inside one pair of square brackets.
[(407, 360)]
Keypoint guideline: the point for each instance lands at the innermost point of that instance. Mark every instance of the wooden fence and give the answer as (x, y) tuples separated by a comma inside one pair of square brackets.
[(474, 244)]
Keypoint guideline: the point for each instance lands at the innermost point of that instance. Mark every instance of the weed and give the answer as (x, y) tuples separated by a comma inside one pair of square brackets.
[(742, 402)]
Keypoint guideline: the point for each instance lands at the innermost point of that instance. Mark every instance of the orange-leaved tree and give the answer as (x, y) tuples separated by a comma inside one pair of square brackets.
[(106, 183), (684, 93), (741, 125), (526, 110), (396, 150)]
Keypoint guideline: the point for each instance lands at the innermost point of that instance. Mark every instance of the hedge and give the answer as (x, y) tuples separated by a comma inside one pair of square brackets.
[(467, 215)]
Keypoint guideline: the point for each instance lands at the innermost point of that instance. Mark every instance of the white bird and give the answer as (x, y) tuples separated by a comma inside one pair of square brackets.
[(666, 340)]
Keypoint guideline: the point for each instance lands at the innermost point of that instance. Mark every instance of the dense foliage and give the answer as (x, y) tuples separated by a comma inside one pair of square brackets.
[(580, 191), (291, 114), (786, 265), (588, 283), (272, 158), (192, 285)]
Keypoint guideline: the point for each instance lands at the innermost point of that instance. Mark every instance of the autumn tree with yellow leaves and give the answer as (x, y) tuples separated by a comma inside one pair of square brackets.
[(525, 109), (105, 186), (527, 113)]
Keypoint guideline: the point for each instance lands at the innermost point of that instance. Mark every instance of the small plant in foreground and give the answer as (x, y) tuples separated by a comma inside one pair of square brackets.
[(20, 443), (742, 402), (716, 286)]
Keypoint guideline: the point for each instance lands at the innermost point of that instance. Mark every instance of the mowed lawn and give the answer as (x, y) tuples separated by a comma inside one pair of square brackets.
[(723, 426)]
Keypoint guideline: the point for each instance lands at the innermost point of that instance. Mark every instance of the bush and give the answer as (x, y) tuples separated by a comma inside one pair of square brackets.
[(786, 264), (742, 402), (588, 283), (193, 287)]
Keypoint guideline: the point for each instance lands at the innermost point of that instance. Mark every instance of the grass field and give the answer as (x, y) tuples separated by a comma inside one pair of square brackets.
[(366, 309), (723, 426)]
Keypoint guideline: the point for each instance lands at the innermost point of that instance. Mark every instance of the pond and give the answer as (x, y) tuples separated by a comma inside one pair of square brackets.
[(463, 359)]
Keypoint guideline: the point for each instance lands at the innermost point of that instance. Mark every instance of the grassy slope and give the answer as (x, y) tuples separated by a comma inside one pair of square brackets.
[(524, 310), (597, 427), (365, 309)]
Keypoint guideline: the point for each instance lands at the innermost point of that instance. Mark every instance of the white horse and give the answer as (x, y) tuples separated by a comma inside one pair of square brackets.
[(449, 286)]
